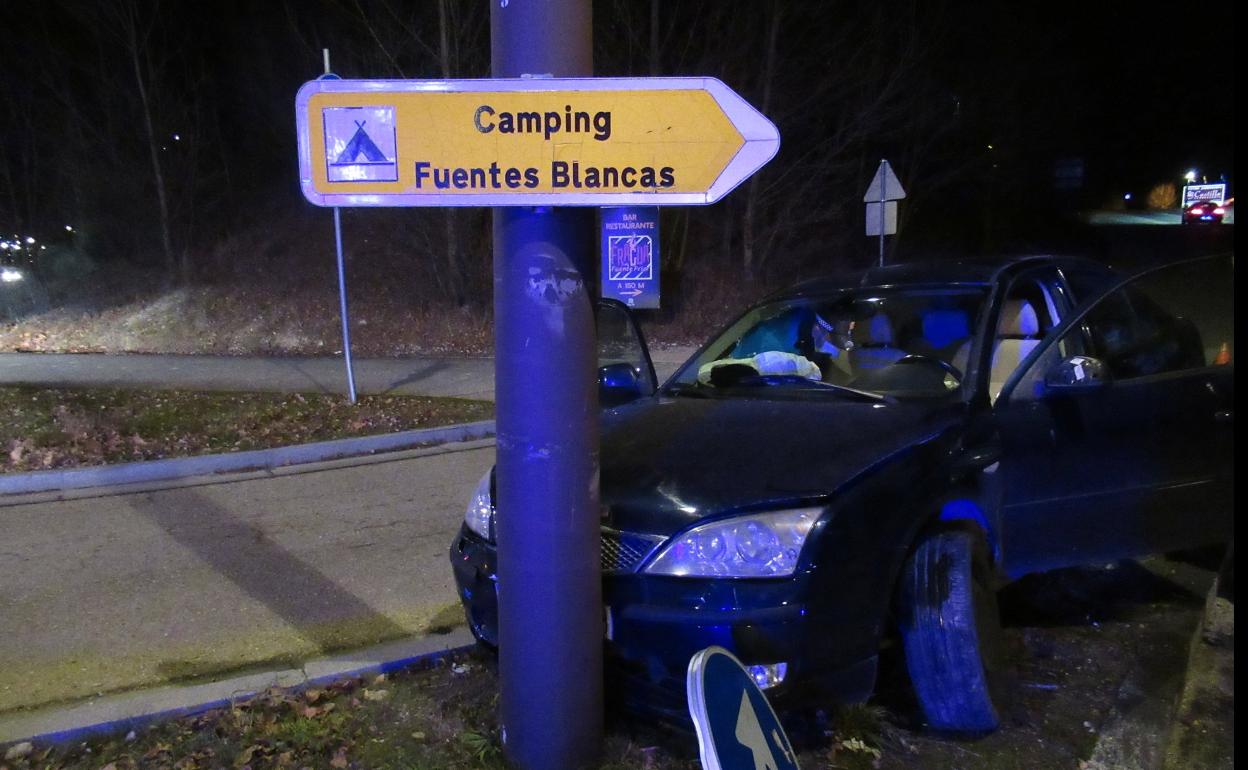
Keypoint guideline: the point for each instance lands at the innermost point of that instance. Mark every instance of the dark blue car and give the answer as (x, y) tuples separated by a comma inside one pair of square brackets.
[(861, 456)]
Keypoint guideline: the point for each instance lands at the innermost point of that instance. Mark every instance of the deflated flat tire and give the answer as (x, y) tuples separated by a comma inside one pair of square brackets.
[(951, 632)]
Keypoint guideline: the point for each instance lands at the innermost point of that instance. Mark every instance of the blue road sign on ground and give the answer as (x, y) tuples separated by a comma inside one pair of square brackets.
[(630, 255), (737, 728)]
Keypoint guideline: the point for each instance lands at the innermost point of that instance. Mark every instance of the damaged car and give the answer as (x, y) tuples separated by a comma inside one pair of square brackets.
[(873, 456)]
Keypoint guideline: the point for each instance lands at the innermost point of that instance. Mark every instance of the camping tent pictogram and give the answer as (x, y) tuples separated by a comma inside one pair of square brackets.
[(360, 144)]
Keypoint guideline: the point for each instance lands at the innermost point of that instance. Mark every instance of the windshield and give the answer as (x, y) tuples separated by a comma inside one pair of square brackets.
[(882, 342)]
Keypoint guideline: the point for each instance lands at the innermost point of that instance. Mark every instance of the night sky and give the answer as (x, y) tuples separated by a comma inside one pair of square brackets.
[(1138, 94)]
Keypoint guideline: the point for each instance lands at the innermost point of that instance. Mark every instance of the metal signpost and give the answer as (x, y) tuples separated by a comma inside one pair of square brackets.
[(542, 138), (630, 255), (342, 274), (736, 726), (881, 199)]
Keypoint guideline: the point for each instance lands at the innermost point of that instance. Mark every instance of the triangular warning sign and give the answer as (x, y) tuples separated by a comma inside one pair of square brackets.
[(884, 186), (360, 144)]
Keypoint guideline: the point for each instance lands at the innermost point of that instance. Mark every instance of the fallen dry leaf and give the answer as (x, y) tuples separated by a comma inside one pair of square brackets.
[(340, 758)]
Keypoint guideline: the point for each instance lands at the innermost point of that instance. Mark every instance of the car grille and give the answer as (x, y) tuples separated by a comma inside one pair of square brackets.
[(623, 551)]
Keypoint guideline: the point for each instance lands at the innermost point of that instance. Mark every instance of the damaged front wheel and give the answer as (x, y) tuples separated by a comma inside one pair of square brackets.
[(951, 632)]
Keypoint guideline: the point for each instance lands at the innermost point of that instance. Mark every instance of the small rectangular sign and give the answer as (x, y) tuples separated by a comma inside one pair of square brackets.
[(890, 218), (630, 255)]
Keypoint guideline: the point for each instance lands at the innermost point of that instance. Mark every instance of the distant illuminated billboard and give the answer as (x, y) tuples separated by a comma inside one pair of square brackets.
[(1194, 193)]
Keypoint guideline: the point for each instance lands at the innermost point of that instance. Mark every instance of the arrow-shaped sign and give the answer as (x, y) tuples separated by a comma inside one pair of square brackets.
[(527, 142)]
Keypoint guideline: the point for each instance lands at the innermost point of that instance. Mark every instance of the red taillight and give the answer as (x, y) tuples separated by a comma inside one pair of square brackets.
[(1219, 211)]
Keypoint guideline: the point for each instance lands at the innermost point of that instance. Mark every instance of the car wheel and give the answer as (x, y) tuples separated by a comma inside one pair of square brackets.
[(951, 633)]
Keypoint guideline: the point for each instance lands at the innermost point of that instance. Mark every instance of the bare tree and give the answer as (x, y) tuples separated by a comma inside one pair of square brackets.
[(135, 32), (749, 259)]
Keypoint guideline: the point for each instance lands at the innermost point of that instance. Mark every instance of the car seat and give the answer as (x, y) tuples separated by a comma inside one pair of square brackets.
[(877, 350), (1018, 333), (944, 328)]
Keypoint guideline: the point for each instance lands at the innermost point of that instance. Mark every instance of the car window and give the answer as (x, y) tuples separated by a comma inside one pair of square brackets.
[(856, 338), (1180, 317), (620, 342), (1174, 319), (1086, 282)]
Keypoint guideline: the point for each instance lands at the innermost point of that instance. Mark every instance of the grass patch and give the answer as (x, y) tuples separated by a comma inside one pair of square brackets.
[(439, 718), (63, 428)]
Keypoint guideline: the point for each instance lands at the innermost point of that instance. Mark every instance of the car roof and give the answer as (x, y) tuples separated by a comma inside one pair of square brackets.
[(937, 273)]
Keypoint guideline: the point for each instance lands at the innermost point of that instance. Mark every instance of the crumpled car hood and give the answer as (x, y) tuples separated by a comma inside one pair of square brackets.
[(667, 462)]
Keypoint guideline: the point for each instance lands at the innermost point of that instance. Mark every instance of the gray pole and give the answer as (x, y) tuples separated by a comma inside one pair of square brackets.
[(342, 305), (883, 203), (342, 283), (549, 578)]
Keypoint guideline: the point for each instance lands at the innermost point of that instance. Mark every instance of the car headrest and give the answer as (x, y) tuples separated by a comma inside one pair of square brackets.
[(942, 328), (1018, 319), (879, 330), (779, 333)]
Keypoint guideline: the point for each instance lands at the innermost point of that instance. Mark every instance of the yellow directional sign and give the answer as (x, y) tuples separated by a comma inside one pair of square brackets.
[(592, 141)]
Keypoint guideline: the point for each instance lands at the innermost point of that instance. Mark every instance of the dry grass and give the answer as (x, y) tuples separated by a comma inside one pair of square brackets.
[(58, 428), (271, 289), (250, 318)]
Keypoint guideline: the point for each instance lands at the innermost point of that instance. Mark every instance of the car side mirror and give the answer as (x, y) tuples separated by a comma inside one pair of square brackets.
[(618, 384), (1076, 372)]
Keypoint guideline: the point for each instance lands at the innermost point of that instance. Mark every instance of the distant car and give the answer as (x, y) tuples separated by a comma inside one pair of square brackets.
[(1204, 212), (878, 453)]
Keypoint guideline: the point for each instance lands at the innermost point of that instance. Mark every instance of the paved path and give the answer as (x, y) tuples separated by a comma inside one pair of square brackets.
[(111, 592), (425, 376)]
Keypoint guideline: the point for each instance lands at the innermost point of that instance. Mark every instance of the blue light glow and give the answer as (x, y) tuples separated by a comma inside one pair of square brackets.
[(768, 675)]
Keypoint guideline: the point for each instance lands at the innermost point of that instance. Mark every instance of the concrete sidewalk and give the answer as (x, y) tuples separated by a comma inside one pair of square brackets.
[(454, 377), (461, 377)]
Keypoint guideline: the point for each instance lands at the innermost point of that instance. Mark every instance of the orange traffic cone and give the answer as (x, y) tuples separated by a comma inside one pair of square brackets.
[(1224, 355)]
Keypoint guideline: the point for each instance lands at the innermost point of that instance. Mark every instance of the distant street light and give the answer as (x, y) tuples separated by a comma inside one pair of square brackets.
[(1190, 176)]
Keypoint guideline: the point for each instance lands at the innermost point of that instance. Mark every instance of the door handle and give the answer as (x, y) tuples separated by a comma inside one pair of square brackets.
[(1224, 415)]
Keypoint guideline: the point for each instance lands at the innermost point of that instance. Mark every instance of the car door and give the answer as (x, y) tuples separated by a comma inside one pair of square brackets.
[(1116, 431), (625, 371)]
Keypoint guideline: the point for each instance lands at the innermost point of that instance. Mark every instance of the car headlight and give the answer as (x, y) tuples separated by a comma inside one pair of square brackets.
[(759, 545), (480, 511)]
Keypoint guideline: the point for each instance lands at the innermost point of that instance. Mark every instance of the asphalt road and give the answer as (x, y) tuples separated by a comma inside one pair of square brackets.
[(425, 376), (119, 591), (1174, 217)]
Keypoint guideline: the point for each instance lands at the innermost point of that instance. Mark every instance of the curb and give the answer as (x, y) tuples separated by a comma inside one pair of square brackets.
[(1201, 732), (135, 710), (257, 459)]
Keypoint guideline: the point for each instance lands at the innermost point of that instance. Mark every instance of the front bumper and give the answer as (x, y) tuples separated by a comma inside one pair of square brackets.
[(655, 624)]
